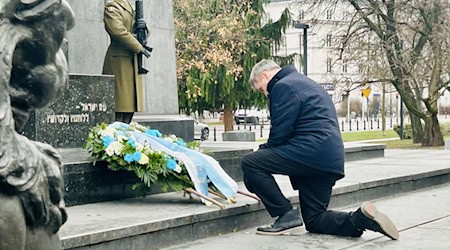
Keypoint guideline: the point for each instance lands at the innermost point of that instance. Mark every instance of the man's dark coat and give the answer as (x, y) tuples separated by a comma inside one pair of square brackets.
[(304, 122)]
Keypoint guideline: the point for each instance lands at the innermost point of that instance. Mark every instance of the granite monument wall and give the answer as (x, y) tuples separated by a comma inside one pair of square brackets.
[(87, 45), (88, 42)]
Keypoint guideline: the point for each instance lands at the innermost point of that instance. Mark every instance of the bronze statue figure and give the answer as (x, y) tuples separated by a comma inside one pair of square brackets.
[(33, 72)]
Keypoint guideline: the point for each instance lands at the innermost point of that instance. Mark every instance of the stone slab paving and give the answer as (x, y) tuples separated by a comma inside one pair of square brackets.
[(423, 218)]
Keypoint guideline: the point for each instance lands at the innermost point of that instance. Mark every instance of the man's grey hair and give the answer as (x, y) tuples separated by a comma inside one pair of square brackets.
[(261, 66)]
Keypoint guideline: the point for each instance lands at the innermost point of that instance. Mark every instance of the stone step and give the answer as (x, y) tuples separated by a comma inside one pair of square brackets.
[(86, 183), (167, 219)]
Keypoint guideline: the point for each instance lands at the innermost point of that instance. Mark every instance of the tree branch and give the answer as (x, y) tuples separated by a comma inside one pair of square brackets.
[(369, 22)]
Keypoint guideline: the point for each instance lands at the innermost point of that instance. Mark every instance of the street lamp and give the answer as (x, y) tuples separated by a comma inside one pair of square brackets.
[(299, 25)]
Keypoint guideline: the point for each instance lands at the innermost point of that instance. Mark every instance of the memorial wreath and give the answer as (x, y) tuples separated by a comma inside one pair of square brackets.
[(163, 160), (119, 148)]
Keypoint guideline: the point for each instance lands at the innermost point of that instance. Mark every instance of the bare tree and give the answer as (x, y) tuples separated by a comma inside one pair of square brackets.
[(405, 43)]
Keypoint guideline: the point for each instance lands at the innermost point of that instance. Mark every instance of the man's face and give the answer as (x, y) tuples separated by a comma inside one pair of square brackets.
[(261, 81)]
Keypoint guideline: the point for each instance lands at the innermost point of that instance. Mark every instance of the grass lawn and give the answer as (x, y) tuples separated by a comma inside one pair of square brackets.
[(375, 135), (368, 135), (212, 124), (360, 136)]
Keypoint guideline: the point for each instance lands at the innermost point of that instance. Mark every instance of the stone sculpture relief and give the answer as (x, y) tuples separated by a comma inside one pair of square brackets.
[(33, 72)]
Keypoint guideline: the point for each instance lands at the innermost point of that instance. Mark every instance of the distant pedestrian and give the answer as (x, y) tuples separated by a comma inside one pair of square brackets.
[(305, 144), (121, 60)]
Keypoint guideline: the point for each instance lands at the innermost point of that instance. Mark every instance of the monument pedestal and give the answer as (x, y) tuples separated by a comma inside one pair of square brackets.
[(180, 125), (239, 135), (88, 101)]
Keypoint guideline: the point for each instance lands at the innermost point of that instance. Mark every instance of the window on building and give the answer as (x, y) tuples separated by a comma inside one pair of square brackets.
[(283, 41), (329, 14), (301, 14), (328, 40), (329, 65), (361, 68), (344, 67)]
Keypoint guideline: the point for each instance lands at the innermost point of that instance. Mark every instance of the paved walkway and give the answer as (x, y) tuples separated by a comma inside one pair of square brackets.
[(423, 218)]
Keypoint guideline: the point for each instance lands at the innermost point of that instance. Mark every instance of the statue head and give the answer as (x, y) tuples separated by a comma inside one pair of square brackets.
[(34, 31)]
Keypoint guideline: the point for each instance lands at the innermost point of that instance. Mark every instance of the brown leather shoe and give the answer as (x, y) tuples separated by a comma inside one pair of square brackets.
[(368, 217)]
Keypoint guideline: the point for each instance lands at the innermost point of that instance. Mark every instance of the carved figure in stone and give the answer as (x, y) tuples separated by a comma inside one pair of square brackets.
[(33, 72)]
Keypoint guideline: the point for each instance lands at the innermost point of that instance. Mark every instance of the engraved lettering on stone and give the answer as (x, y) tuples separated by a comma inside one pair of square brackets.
[(66, 119), (92, 107)]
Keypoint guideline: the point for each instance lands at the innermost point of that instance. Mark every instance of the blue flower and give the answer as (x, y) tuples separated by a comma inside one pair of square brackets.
[(180, 142), (129, 158), (171, 164), (153, 132), (107, 140), (132, 142), (137, 156)]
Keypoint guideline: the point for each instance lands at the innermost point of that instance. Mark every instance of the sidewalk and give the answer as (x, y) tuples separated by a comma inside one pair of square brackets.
[(422, 217), (169, 219)]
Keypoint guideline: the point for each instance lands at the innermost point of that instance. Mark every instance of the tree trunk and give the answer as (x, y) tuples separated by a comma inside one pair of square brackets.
[(417, 128), (228, 119), (412, 104), (433, 136)]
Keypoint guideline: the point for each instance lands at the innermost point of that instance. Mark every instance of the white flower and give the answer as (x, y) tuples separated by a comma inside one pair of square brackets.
[(108, 131), (171, 138), (137, 126), (148, 150), (144, 159), (177, 169), (109, 151), (139, 147), (114, 148)]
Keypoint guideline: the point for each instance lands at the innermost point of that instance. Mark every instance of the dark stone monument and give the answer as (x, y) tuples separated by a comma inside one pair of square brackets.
[(33, 72), (89, 100)]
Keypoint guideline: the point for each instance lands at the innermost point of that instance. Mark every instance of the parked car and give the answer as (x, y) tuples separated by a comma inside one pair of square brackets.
[(201, 131), (250, 116)]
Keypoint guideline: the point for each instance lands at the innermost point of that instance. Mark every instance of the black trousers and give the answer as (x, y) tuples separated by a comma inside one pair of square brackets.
[(124, 117), (314, 188)]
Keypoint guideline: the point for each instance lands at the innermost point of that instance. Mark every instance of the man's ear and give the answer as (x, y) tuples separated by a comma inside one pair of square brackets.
[(265, 74)]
